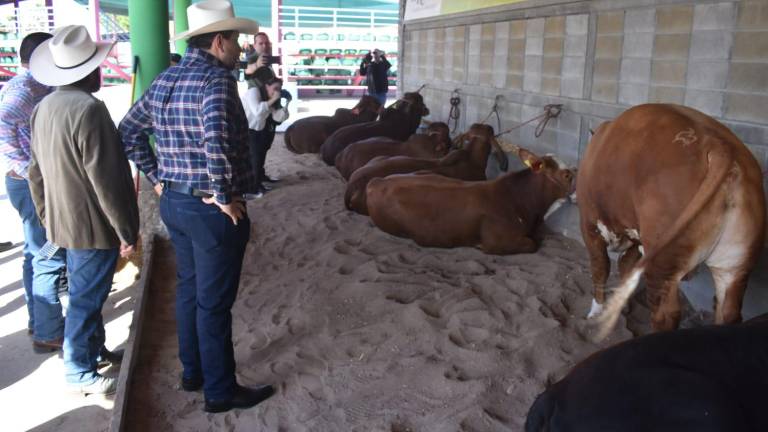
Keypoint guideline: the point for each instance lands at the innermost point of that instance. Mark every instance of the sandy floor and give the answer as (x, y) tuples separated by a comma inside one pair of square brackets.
[(362, 331)]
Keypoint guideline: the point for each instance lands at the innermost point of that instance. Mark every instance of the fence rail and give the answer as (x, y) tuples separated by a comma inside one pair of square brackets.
[(300, 16)]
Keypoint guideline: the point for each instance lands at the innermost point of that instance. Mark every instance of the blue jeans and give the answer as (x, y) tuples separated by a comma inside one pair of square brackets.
[(381, 97), (41, 276), (90, 279), (209, 257)]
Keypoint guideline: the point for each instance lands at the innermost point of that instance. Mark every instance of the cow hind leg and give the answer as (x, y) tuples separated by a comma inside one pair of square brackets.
[(730, 285), (600, 266)]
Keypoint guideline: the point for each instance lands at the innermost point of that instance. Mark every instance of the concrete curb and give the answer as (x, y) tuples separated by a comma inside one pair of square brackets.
[(132, 344)]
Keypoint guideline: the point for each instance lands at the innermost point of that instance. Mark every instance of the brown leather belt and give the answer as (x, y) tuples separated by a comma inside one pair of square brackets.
[(12, 174)]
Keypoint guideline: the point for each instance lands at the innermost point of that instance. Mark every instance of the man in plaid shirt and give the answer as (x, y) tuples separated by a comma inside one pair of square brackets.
[(41, 275), (201, 169)]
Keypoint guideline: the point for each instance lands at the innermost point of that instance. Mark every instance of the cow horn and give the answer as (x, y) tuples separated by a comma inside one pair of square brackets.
[(591, 131), (500, 155), (420, 88)]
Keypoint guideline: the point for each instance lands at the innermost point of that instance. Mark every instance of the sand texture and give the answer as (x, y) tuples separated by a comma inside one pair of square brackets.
[(362, 331)]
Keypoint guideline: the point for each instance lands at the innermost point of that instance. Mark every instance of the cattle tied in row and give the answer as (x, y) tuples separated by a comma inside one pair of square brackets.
[(465, 163), (434, 143), (708, 379), (497, 216), (670, 188), (308, 134), (398, 121)]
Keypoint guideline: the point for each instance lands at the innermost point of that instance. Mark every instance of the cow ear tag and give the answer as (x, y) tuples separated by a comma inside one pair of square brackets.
[(535, 166)]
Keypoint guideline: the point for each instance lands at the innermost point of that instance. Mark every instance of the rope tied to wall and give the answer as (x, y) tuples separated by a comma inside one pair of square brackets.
[(550, 111), (455, 112), (494, 110)]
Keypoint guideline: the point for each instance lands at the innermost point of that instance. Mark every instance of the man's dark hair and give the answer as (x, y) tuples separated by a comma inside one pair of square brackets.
[(90, 83), (175, 57), (204, 41), (30, 42)]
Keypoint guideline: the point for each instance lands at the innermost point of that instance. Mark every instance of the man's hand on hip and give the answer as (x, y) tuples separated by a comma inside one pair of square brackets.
[(235, 210), (126, 250)]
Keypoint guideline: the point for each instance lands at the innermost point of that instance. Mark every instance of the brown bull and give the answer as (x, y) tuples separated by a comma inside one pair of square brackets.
[(497, 216), (399, 121), (433, 144), (670, 188), (467, 163), (308, 134)]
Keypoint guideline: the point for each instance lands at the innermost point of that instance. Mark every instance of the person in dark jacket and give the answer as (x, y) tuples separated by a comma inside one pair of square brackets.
[(375, 68)]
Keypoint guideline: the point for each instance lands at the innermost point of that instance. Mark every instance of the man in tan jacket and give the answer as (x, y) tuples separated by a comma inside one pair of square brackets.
[(81, 185)]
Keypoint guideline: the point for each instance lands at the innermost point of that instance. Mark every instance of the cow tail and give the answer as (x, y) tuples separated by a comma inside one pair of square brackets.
[(540, 414), (720, 162)]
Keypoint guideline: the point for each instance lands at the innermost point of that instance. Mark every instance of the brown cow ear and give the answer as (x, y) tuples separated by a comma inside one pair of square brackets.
[(530, 160)]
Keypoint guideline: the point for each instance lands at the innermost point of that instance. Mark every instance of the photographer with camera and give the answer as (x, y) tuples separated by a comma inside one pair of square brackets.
[(375, 68), (264, 112)]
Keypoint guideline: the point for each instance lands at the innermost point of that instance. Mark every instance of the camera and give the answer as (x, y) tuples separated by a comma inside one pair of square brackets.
[(273, 60)]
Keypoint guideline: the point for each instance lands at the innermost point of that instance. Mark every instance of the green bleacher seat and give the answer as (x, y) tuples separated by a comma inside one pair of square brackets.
[(319, 62), (321, 51), (383, 38), (289, 36), (305, 51), (322, 37), (307, 36), (350, 51), (334, 62), (353, 37), (340, 37), (367, 37), (349, 62), (334, 51)]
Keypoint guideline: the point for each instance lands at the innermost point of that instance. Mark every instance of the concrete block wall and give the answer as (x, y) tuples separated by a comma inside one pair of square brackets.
[(598, 58)]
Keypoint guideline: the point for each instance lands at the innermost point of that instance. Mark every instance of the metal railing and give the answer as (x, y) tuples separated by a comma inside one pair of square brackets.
[(300, 17)]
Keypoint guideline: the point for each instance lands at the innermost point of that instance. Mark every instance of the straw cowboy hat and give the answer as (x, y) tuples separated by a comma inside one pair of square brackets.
[(69, 56), (215, 16)]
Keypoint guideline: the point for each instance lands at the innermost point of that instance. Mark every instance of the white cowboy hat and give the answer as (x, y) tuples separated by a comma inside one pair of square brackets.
[(215, 16), (69, 56)]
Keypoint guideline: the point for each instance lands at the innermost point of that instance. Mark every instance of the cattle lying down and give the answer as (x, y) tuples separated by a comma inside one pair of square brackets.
[(398, 121), (670, 188), (467, 163), (497, 216), (308, 134), (432, 144), (707, 379)]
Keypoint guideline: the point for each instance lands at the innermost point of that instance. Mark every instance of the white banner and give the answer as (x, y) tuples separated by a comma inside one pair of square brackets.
[(415, 9)]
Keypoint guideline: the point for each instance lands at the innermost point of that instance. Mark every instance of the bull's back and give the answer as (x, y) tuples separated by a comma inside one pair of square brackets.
[(651, 159), (343, 137), (308, 134), (355, 196), (423, 208), (664, 381), (360, 153)]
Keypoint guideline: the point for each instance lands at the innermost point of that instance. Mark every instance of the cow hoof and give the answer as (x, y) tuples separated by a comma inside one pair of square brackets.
[(595, 310)]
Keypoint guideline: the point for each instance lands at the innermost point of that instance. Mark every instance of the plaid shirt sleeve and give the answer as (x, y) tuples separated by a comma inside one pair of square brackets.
[(220, 101), (15, 112), (135, 129)]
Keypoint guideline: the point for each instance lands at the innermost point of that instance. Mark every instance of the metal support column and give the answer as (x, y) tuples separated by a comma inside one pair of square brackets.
[(149, 40), (180, 22)]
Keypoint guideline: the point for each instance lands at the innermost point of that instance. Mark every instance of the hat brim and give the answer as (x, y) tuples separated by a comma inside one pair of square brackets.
[(45, 71), (242, 25)]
